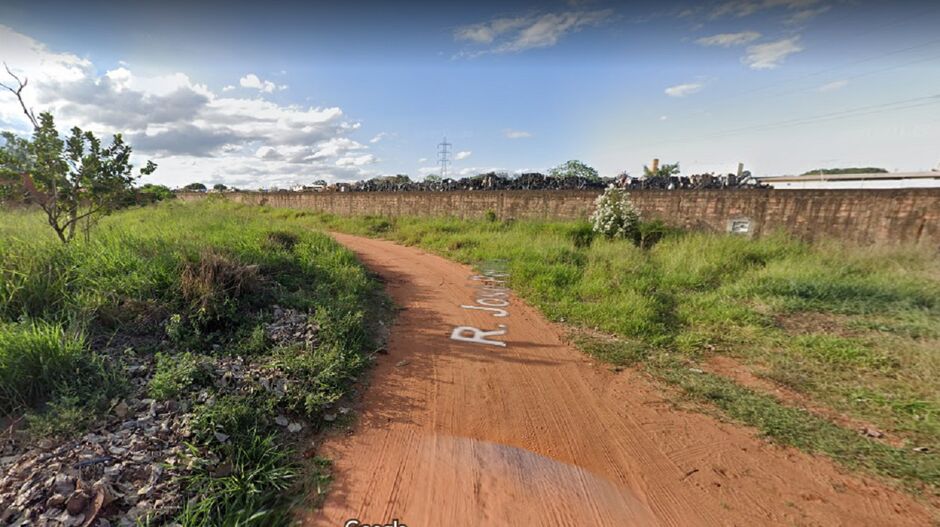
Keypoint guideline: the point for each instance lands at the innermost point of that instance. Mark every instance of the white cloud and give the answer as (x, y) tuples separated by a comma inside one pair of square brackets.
[(254, 82), (356, 161), (833, 86), (771, 54), (663, 117), (509, 35), (684, 90), (192, 132), (726, 40), (423, 160), (806, 15), (459, 156), (516, 134), (743, 8), (378, 137), (228, 88)]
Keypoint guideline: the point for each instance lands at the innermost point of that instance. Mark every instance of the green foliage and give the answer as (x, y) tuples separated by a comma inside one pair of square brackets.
[(150, 193), (35, 357), (219, 187), (74, 180), (324, 375), (252, 492), (574, 168), (853, 170), (664, 171), (176, 374), (195, 187)]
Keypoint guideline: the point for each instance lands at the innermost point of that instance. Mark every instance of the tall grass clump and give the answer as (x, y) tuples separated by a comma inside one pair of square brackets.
[(36, 358)]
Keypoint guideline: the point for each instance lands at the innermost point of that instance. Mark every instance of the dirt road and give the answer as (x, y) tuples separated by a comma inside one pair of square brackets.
[(471, 432)]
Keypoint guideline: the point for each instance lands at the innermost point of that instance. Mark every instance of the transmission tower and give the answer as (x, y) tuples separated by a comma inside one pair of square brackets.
[(443, 156)]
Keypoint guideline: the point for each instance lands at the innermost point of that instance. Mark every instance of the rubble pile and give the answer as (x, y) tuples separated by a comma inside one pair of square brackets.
[(292, 326), (127, 468)]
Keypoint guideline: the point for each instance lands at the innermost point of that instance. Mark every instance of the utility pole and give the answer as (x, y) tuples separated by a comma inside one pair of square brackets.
[(443, 156)]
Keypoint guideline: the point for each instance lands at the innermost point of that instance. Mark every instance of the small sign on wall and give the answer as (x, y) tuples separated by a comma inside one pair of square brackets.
[(740, 226)]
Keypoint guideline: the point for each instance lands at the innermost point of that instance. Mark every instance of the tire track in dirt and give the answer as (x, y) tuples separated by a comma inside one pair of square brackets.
[(459, 433)]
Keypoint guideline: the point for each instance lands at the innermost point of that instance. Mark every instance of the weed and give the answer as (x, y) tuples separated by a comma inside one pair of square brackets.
[(176, 374), (248, 488)]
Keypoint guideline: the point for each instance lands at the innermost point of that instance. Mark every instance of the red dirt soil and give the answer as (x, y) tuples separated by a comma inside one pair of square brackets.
[(459, 433)]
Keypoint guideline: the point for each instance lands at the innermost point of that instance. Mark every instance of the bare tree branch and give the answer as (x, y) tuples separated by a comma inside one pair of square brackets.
[(18, 92)]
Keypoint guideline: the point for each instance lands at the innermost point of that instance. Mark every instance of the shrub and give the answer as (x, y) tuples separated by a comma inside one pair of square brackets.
[(614, 215), (214, 285)]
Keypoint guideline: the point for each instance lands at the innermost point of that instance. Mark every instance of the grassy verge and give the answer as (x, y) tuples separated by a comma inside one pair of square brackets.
[(849, 329), (190, 290)]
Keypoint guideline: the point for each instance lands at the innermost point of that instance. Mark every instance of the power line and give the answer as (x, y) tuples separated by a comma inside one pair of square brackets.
[(903, 104), (443, 156), (735, 97)]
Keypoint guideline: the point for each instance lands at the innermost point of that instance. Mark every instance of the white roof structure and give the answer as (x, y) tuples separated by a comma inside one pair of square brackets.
[(885, 180)]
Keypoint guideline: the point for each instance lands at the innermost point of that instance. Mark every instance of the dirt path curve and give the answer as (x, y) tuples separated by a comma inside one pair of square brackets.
[(465, 433)]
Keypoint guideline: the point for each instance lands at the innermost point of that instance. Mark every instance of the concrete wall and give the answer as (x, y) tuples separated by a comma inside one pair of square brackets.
[(859, 216)]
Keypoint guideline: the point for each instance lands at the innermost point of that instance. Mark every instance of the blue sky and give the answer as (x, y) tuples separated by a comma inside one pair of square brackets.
[(260, 94)]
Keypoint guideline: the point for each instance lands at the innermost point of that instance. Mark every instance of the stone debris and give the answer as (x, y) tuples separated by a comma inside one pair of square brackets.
[(291, 326), (110, 468), (127, 469)]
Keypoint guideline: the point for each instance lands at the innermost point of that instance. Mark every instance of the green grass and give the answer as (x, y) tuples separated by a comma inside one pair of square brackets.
[(852, 329), (187, 284), (177, 373)]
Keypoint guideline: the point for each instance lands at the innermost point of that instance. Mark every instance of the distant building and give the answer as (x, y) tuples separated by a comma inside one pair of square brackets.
[(855, 181)]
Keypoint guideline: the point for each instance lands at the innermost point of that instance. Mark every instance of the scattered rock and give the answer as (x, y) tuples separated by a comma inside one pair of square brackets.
[(921, 449), (404, 362), (696, 370), (121, 410), (281, 421), (291, 326), (294, 427), (870, 431), (77, 502), (222, 438), (56, 501)]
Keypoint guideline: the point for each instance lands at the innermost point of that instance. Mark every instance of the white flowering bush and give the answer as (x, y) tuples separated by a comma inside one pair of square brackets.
[(614, 215)]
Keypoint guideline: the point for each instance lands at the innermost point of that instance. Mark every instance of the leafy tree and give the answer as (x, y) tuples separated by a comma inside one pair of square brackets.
[(195, 187), (151, 193), (73, 180), (664, 171), (320, 182), (432, 178), (219, 187), (574, 168)]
